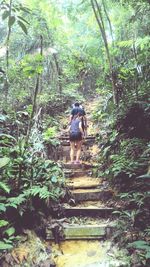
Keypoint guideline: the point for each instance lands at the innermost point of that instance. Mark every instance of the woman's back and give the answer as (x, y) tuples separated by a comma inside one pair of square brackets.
[(75, 126)]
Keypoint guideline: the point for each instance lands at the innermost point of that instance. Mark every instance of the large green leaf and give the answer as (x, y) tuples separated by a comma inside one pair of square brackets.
[(145, 176), (2, 207), (3, 223), (22, 19), (11, 21), (23, 27), (10, 231), (4, 161), (140, 244), (4, 246), (148, 255), (5, 14), (25, 9)]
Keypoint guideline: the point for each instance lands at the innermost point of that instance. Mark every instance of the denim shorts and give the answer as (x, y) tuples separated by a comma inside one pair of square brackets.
[(75, 137)]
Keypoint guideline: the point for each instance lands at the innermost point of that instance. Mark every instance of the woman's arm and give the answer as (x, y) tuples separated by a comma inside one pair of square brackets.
[(80, 128)]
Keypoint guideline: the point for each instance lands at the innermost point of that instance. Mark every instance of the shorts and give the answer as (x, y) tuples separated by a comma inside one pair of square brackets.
[(75, 137)]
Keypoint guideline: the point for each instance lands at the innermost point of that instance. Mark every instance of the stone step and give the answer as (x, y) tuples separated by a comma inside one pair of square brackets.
[(79, 232), (82, 166), (83, 182), (77, 173), (91, 194), (94, 211)]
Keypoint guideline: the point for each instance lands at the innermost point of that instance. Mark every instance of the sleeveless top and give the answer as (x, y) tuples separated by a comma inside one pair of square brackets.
[(75, 126)]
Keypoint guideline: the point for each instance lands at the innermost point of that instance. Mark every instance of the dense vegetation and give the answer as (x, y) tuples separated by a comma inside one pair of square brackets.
[(53, 53)]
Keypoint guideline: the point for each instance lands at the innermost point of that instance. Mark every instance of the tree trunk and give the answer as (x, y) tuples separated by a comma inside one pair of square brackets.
[(59, 73), (34, 107), (8, 35), (99, 18), (136, 78), (41, 53), (109, 22)]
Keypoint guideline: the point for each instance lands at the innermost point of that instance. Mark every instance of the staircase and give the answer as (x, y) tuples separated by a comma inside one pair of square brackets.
[(86, 215), (83, 234)]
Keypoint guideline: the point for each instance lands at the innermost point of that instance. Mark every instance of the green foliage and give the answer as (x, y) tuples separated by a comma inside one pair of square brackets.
[(5, 246), (4, 161), (50, 136), (3, 223), (50, 133), (143, 246), (128, 216), (140, 244), (7, 235), (29, 176), (4, 187), (137, 198), (32, 65), (10, 231), (129, 157), (12, 12)]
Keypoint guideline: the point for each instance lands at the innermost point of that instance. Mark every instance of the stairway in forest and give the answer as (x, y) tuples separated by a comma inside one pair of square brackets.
[(83, 234), (88, 216)]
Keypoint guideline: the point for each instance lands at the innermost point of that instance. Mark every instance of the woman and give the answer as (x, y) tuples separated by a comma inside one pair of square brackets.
[(76, 136)]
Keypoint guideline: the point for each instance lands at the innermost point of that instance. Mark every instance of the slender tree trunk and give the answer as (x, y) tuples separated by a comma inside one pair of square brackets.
[(41, 53), (109, 22), (59, 73), (8, 34), (35, 97), (99, 18), (6, 84), (136, 78)]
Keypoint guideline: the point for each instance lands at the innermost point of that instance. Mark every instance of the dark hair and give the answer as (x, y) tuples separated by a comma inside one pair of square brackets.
[(76, 104), (80, 114)]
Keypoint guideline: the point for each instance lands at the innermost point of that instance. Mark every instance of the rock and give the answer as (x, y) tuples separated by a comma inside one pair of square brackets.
[(52, 264), (91, 253), (47, 263), (5, 264), (7, 261)]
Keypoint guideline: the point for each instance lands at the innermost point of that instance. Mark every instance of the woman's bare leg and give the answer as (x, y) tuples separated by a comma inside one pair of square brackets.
[(72, 150), (79, 144)]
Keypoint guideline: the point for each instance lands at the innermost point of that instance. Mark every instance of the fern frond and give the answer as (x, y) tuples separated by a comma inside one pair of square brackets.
[(16, 201), (4, 187), (43, 192)]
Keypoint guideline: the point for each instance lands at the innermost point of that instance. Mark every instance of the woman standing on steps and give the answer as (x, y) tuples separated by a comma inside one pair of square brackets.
[(77, 108), (76, 136)]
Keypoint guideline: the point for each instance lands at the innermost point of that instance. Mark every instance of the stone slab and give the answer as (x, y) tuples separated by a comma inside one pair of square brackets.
[(81, 166), (77, 173), (83, 182), (80, 232), (91, 194), (103, 212)]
